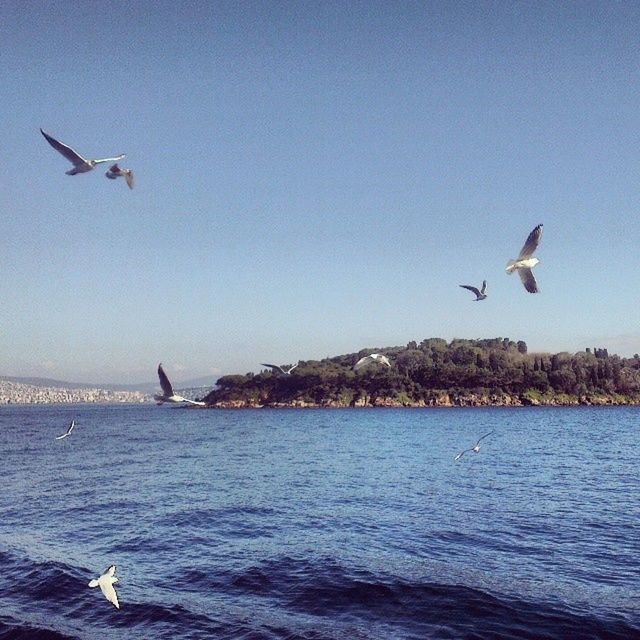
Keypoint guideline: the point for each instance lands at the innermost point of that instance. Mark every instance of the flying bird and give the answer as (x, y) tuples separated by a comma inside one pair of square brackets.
[(525, 261), (374, 357), (68, 432), (275, 367), (106, 582), (475, 448), (80, 164), (480, 293), (114, 171), (167, 391)]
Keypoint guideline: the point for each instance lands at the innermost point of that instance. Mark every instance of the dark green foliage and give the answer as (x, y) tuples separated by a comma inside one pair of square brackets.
[(423, 371)]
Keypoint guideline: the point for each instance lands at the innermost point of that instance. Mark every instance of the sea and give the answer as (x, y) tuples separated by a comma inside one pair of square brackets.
[(338, 524)]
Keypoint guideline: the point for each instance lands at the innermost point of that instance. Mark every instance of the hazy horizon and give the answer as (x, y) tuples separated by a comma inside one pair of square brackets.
[(312, 180)]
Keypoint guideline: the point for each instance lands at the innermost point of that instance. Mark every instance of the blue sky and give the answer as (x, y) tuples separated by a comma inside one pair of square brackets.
[(313, 178)]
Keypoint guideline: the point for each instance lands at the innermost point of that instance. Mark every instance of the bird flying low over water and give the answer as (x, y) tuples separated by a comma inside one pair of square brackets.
[(114, 171), (373, 357), (105, 582), (80, 164), (167, 391), (275, 367), (68, 432), (480, 293), (475, 448), (525, 261)]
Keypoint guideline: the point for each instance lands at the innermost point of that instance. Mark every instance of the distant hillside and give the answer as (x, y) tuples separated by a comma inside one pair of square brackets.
[(202, 384), (495, 371)]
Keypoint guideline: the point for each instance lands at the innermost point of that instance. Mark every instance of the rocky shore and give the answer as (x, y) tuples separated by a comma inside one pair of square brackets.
[(443, 399)]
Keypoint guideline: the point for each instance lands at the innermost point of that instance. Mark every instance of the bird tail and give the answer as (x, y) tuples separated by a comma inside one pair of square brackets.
[(511, 266), (93, 583)]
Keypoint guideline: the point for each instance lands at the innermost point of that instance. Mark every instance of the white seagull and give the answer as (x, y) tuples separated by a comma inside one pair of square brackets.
[(68, 432), (525, 261), (167, 391), (475, 448), (106, 582), (374, 357), (114, 171), (279, 368), (480, 293), (80, 164)]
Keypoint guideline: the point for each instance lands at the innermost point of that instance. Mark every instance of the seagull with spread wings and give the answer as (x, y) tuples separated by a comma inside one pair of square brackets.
[(525, 261), (479, 293), (80, 164), (168, 394), (106, 582), (114, 172), (475, 448), (373, 357), (276, 367), (68, 432)]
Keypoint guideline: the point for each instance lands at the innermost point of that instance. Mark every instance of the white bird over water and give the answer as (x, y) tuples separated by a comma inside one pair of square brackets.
[(114, 171), (167, 391), (525, 261), (68, 432), (80, 164), (106, 582), (480, 293), (475, 448), (373, 357), (279, 368)]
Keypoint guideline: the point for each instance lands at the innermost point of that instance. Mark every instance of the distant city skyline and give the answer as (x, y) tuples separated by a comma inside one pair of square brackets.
[(313, 180)]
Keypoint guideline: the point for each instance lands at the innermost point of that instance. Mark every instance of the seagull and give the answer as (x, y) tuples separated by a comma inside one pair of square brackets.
[(114, 171), (106, 582), (69, 430), (475, 448), (80, 164), (525, 261), (480, 293), (374, 357), (167, 391), (279, 368)]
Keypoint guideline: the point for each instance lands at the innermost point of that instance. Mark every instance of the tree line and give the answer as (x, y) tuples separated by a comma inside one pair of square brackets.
[(421, 371)]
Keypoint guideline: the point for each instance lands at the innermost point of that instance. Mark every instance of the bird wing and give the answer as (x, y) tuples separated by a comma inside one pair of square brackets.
[(273, 366), (128, 176), (72, 156), (461, 454), (164, 381), (71, 427), (531, 243), (110, 570), (64, 435), (484, 436), (385, 360), (473, 289), (196, 402), (528, 280), (484, 287), (292, 368), (109, 592), (116, 159), (362, 362)]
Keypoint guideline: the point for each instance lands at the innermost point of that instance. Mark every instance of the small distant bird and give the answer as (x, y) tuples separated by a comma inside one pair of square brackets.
[(114, 171), (374, 357), (525, 261), (480, 293), (80, 164), (68, 432), (106, 582), (475, 448), (279, 368), (167, 391)]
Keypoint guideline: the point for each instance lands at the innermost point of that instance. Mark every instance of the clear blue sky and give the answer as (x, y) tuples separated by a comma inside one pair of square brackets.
[(313, 178)]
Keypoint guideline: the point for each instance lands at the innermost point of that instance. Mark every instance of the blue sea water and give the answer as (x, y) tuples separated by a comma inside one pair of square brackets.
[(320, 524)]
